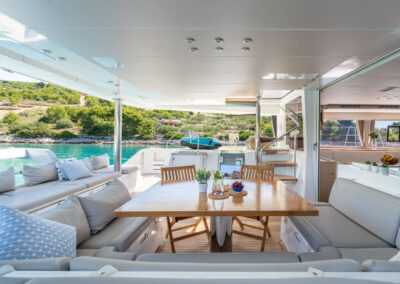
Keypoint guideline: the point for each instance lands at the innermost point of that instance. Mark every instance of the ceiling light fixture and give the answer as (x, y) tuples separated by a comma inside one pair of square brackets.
[(219, 49), (190, 40), (60, 58), (193, 49), (387, 89), (245, 50), (47, 51), (219, 40), (247, 40)]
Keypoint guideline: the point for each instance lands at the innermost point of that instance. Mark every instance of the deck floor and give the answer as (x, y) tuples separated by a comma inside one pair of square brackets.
[(239, 243)]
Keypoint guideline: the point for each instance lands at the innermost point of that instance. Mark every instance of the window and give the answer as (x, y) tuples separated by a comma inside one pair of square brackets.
[(382, 127), (340, 133)]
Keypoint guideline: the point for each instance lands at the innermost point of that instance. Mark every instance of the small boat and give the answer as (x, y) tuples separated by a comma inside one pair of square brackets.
[(201, 143)]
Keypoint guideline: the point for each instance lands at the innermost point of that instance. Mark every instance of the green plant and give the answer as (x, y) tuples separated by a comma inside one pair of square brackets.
[(202, 175), (384, 166), (207, 135), (171, 134), (373, 135), (64, 135), (368, 162), (244, 134), (11, 118), (217, 175), (64, 123), (32, 130), (374, 164)]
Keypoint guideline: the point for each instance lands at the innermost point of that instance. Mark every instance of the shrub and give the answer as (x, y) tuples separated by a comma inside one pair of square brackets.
[(32, 130), (14, 99), (65, 135), (64, 123), (92, 125), (244, 134), (207, 135), (171, 134), (147, 136), (54, 113), (223, 137), (11, 118)]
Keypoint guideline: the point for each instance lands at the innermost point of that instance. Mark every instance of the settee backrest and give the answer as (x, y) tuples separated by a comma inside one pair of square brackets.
[(376, 211)]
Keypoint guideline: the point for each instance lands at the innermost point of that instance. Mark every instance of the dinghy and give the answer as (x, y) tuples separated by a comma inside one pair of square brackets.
[(201, 143)]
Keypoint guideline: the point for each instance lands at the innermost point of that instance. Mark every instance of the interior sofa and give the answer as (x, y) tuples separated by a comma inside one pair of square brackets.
[(30, 198), (359, 223)]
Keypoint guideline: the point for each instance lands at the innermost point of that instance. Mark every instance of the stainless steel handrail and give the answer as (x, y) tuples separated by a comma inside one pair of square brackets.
[(283, 135)]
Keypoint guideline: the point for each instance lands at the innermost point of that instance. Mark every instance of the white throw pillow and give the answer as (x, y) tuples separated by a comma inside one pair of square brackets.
[(74, 170), (87, 163), (60, 173), (99, 162), (7, 180), (396, 257)]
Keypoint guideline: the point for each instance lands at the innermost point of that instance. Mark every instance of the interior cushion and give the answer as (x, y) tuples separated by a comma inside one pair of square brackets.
[(229, 257), (94, 263), (99, 162), (58, 163), (331, 228), (74, 170), (24, 236), (41, 264), (374, 210), (99, 207), (70, 212), (7, 180), (87, 163), (361, 254), (120, 233), (39, 174)]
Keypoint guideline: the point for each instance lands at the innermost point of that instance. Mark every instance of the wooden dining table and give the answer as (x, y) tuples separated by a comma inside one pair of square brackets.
[(184, 200)]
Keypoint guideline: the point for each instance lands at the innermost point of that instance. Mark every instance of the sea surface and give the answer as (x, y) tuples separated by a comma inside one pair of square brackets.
[(78, 151)]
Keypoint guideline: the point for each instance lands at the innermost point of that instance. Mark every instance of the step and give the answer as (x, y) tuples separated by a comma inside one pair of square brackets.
[(279, 163), (284, 178), (276, 150)]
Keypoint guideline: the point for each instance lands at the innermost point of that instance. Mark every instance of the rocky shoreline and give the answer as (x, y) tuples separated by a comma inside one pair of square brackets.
[(84, 140)]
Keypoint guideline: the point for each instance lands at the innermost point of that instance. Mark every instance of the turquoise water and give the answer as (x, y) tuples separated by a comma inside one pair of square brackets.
[(78, 151)]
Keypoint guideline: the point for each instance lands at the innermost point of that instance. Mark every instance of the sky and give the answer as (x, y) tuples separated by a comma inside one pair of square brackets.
[(8, 76)]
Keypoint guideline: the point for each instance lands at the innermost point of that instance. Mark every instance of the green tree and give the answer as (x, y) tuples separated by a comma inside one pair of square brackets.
[(132, 121), (64, 123), (32, 130), (55, 113), (11, 118), (91, 101), (147, 129)]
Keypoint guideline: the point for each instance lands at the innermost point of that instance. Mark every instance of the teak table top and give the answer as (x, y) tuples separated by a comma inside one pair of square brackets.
[(184, 200)]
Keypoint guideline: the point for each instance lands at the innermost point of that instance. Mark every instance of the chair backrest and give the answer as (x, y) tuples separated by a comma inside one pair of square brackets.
[(254, 173), (267, 173), (177, 174)]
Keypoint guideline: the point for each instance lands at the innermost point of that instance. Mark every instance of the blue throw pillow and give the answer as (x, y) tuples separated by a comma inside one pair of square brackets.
[(24, 236), (74, 170)]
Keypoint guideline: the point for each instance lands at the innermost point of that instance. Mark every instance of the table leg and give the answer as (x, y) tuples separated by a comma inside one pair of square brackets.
[(221, 234)]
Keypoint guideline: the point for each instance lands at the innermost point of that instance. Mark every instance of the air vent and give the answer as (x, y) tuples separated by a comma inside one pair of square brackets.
[(388, 107), (388, 89), (350, 106), (361, 106)]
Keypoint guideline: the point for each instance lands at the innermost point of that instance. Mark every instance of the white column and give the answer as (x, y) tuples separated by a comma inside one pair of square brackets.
[(258, 129), (118, 135)]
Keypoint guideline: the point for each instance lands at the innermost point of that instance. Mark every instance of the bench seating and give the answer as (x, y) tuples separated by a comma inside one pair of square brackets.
[(27, 198), (358, 222)]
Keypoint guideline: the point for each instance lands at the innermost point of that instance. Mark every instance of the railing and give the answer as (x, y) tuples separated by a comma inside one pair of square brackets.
[(283, 135), (169, 140)]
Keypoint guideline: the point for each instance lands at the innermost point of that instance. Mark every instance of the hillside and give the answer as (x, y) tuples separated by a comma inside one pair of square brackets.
[(34, 110)]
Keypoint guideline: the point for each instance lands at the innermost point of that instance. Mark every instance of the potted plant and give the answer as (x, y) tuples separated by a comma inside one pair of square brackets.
[(202, 176), (368, 165), (385, 169), (373, 135), (375, 167)]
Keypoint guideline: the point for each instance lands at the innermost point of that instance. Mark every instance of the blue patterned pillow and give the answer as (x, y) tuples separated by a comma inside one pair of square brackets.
[(24, 236), (74, 170), (58, 164)]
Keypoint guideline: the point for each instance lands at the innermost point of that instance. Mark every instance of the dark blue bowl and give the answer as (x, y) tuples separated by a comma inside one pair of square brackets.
[(237, 189)]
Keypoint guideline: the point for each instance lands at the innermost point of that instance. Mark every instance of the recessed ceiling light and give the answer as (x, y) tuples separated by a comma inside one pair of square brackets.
[(247, 40), (219, 49), (46, 51), (193, 49), (190, 40), (244, 50), (219, 40), (60, 58)]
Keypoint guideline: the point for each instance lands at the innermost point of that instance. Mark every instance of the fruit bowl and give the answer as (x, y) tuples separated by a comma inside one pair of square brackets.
[(389, 160), (237, 186)]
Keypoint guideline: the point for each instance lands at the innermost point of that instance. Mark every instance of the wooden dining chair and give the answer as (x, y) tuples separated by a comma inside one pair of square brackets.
[(255, 173), (171, 175)]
